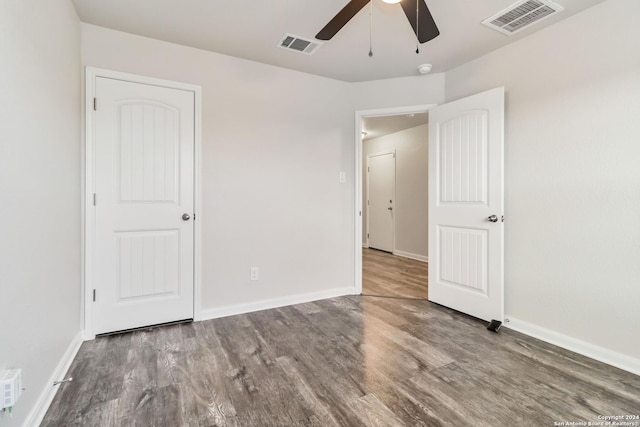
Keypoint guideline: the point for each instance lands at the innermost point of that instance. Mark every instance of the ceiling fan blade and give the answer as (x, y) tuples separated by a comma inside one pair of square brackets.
[(341, 19), (428, 29)]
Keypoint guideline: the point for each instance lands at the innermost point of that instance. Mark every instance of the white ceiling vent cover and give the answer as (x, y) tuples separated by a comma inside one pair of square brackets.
[(299, 44), (520, 15)]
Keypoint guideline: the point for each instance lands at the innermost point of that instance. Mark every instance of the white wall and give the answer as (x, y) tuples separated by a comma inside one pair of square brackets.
[(399, 92), (274, 142), (40, 191), (411, 206), (572, 173)]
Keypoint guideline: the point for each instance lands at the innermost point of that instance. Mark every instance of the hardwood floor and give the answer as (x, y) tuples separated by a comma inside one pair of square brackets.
[(349, 361), (385, 274)]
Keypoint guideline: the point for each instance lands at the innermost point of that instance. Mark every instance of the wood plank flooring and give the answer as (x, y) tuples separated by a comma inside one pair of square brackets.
[(349, 361), (385, 274)]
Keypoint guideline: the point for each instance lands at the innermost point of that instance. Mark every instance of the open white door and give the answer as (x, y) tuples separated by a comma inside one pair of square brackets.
[(143, 269), (381, 173), (466, 143)]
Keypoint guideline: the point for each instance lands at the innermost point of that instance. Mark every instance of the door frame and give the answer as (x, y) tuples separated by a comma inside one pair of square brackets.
[(360, 115), (88, 184), (366, 208)]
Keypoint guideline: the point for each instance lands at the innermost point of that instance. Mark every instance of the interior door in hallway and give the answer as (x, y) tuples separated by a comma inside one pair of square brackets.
[(381, 173), (143, 270), (466, 205)]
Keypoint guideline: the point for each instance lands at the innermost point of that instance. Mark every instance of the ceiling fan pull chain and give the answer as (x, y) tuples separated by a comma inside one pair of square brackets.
[(371, 29), (417, 27)]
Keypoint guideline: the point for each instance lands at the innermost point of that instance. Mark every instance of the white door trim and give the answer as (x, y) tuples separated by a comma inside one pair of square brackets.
[(393, 217), (359, 116), (91, 74)]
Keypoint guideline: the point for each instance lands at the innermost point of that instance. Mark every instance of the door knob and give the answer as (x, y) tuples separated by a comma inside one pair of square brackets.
[(493, 218), (186, 217)]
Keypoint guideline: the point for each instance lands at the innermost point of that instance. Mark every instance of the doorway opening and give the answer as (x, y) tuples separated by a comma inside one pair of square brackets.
[(392, 202)]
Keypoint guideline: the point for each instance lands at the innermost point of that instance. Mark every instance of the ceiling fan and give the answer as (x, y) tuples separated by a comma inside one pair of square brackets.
[(424, 26)]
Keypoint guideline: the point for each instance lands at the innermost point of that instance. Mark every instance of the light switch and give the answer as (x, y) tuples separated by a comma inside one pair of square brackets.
[(343, 177)]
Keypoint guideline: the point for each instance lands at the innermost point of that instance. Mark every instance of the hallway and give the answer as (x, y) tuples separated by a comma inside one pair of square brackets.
[(385, 274)]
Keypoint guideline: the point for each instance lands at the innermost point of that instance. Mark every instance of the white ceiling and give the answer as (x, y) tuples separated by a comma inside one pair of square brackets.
[(252, 29)]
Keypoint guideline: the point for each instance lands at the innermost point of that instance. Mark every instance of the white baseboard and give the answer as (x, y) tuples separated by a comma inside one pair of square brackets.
[(46, 396), (215, 313), (365, 245), (411, 256), (593, 351)]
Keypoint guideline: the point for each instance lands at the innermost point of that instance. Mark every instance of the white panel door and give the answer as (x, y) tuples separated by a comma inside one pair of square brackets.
[(382, 182), (466, 139), (144, 184)]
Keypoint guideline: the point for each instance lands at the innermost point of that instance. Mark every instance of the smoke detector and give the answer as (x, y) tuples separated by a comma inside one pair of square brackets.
[(424, 68)]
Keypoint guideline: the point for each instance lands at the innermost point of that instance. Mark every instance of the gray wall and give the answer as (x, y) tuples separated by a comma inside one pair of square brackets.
[(399, 92), (572, 173), (273, 144), (412, 188), (40, 191)]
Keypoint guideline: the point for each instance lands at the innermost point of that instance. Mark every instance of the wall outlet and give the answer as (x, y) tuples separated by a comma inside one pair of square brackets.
[(10, 387), (255, 273)]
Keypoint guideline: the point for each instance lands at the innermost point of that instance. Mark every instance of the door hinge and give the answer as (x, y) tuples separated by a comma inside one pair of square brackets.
[(367, 203), (194, 217), (94, 199), (95, 104), (94, 295), (367, 235), (368, 169)]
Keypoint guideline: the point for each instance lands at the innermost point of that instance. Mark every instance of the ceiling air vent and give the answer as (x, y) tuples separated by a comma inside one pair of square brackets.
[(298, 44), (520, 15)]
